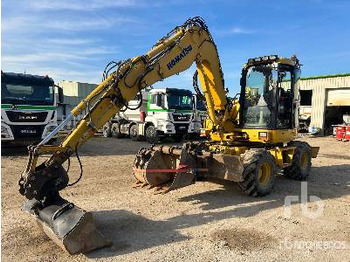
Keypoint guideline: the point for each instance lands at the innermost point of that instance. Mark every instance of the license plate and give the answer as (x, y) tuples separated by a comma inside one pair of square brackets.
[(28, 131)]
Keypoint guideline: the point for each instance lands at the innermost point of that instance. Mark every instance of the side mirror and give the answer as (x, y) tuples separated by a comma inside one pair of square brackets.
[(159, 100), (60, 95)]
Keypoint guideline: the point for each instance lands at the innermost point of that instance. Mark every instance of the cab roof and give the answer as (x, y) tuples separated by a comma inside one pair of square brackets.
[(293, 61), (172, 91), (26, 79)]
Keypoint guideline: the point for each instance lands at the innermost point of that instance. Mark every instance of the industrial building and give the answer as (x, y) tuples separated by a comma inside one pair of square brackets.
[(73, 93), (325, 100)]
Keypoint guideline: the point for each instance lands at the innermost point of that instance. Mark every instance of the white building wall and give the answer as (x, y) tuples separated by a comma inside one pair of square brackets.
[(319, 87)]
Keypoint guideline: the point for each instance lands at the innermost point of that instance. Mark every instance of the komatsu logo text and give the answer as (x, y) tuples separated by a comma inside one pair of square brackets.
[(177, 59)]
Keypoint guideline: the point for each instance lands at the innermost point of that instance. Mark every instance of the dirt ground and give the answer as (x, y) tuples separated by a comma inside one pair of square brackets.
[(203, 222)]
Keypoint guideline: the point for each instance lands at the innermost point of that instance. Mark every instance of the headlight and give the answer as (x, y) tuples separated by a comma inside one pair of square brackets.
[(3, 130), (169, 126)]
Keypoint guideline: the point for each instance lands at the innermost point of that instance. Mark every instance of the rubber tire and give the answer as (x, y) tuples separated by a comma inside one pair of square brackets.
[(252, 160), (152, 136), (295, 171), (106, 130), (115, 130), (133, 132)]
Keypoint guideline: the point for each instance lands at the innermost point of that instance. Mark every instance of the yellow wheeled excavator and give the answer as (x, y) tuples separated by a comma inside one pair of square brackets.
[(250, 138)]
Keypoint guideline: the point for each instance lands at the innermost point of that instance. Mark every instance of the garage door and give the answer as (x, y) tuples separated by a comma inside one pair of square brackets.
[(338, 97)]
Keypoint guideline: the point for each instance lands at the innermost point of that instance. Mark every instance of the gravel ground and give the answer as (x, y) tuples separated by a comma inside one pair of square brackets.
[(203, 222)]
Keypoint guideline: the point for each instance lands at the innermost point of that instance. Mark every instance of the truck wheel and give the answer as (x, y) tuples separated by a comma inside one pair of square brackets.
[(259, 172), (301, 163), (152, 135), (106, 130), (134, 133), (115, 130)]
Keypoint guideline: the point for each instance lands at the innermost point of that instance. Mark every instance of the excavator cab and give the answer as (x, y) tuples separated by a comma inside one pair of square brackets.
[(267, 93)]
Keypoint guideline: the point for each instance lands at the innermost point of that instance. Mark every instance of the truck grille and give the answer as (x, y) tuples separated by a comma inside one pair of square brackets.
[(181, 128), (27, 132), (18, 116), (178, 117)]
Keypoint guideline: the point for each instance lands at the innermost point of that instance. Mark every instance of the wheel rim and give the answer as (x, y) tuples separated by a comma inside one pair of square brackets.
[(304, 161), (265, 173), (133, 132), (115, 130), (150, 133)]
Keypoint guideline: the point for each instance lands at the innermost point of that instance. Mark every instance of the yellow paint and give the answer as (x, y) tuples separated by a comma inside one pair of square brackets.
[(252, 135), (265, 173)]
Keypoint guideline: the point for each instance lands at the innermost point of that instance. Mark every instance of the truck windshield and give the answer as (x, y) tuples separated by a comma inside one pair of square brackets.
[(178, 101), (26, 94)]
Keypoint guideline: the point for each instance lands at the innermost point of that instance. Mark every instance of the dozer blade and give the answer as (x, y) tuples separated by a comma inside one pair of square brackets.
[(70, 227), (166, 167)]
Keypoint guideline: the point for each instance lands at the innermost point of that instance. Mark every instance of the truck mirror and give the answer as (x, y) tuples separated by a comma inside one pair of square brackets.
[(60, 95)]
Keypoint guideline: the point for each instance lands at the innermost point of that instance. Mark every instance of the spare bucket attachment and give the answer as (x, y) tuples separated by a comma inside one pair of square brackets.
[(165, 167)]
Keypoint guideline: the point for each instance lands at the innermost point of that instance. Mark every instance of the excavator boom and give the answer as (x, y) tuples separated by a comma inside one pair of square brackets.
[(71, 227)]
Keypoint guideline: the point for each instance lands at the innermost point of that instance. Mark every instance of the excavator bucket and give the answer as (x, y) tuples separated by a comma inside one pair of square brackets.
[(166, 168), (70, 227)]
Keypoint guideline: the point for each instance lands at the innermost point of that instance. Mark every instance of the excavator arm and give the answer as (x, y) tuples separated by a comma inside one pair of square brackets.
[(71, 227)]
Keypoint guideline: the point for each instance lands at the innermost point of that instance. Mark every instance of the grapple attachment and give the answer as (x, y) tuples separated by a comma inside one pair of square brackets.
[(70, 227), (167, 168)]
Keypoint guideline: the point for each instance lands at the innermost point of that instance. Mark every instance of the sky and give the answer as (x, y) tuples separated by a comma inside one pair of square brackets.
[(74, 40)]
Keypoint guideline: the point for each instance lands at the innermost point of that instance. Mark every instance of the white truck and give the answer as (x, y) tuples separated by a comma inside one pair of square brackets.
[(28, 107), (161, 113), (200, 110)]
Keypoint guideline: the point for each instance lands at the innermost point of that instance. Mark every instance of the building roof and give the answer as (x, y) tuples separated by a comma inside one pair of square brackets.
[(325, 76)]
